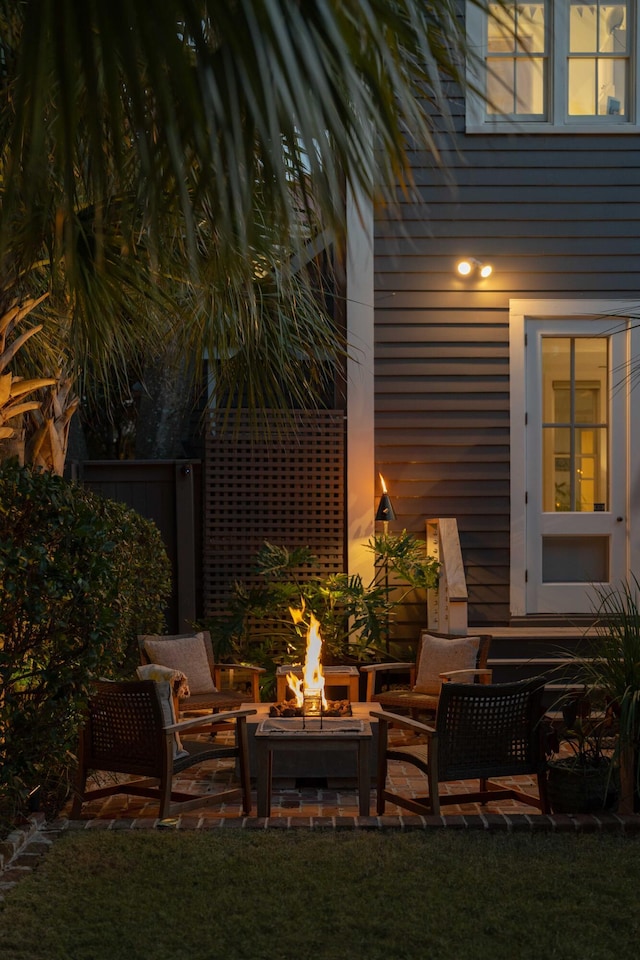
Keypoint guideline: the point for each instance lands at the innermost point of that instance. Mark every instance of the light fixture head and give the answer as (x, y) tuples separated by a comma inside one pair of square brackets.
[(471, 265), (385, 511)]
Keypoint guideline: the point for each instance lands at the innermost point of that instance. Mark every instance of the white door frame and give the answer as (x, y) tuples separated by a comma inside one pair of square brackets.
[(519, 312)]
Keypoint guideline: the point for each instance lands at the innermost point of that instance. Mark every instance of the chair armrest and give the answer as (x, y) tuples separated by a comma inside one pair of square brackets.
[(380, 667), (373, 669), (405, 722), (240, 666), (484, 675), (230, 715)]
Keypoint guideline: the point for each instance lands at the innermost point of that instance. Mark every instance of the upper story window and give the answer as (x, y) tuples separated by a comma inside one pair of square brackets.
[(553, 65)]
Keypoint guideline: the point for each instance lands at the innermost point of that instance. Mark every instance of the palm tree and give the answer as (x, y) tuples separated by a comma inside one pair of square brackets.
[(149, 156)]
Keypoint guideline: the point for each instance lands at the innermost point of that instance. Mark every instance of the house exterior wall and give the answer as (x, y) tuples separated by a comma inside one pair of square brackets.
[(558, 216)]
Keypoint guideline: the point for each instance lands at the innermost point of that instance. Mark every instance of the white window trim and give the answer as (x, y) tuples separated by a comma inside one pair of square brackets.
[(478, 122), (519, 312)]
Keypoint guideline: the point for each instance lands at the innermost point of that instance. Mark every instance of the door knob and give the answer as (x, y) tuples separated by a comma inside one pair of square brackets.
[(619, 519)]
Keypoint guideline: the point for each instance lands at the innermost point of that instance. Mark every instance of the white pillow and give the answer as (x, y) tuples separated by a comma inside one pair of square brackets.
[(186, 654), (441, 654)]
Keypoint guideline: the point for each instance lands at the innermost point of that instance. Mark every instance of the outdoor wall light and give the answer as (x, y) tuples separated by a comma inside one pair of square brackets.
[(384, 514), (471, 265), (385, 511)]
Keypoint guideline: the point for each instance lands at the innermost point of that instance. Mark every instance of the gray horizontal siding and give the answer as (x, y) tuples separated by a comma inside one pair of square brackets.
[(516, 227), (558, 217)]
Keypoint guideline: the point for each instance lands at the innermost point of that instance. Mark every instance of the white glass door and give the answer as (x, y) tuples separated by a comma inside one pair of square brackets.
[(576, 462)]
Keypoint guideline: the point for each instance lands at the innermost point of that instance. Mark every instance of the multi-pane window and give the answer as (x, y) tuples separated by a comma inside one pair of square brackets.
[(555, 63), (598, 59), (517, 59)]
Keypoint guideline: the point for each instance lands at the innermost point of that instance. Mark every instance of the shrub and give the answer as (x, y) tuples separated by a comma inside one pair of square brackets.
[(143, 573), (73, 578)]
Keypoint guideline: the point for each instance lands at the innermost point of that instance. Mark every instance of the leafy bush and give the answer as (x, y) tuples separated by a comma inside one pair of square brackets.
[(143, 573), (74, 572)]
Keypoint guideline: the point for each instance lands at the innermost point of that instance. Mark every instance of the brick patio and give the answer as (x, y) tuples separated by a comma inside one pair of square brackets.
[(301, 801)]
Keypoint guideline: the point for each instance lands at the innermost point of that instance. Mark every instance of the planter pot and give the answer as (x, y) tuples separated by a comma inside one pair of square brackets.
[(580, 788)]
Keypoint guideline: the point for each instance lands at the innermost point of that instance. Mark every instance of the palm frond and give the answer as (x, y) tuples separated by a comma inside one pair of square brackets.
[(220, 105)]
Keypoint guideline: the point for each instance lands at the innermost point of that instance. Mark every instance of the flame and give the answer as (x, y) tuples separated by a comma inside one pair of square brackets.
[(312, 681), (384, 486)]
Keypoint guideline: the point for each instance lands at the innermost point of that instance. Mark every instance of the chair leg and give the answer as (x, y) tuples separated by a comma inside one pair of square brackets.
[(166, 780), (243, 763), (381, 775), (432, 778)]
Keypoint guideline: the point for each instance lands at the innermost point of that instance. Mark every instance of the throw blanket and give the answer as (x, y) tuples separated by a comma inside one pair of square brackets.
[(177, 679)]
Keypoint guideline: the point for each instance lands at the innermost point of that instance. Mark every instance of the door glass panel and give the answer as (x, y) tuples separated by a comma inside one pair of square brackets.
[(575, 559), (575, 429)]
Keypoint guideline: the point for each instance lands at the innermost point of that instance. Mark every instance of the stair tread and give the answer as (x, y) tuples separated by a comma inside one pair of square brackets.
[(534, 661)]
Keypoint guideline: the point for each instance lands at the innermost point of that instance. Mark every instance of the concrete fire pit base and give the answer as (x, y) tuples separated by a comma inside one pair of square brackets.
[(337, 769)]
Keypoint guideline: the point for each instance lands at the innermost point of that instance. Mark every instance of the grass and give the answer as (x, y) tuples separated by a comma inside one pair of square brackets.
[(298, 896)]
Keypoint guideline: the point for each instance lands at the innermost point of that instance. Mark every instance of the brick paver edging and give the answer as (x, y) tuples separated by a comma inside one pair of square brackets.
[(494, 822), (23, 850)]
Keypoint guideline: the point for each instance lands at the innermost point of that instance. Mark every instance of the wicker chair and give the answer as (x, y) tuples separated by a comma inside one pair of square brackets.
[(217, 698), (129, 729), (417, 702), (481, 732)]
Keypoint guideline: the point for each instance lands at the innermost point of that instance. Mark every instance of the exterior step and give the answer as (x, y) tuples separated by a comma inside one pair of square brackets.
[(522, 651), (527, 643)]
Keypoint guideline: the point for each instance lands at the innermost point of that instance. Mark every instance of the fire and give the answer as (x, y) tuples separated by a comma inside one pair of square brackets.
[(310, 687), (384, 486)]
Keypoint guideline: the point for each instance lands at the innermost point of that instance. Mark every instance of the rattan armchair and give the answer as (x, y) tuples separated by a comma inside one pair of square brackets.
[(483, 732), (416, 702), (220, 696), (129, 729)]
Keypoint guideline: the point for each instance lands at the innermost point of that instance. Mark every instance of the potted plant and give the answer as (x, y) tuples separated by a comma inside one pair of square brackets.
[(581, 771), (610, 670)]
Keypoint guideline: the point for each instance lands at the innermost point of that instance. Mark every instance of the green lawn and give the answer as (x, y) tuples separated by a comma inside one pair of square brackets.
[(298, 895)]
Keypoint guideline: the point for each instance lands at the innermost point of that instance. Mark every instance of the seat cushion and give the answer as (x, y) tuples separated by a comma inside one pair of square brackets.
[(441, 654), (187, 654)]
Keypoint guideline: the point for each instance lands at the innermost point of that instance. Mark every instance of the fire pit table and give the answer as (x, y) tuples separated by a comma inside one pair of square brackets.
[(336, 770), (304, 736)]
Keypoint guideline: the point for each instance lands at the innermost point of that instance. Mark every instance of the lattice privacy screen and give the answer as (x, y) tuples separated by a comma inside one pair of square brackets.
[(288, 489)]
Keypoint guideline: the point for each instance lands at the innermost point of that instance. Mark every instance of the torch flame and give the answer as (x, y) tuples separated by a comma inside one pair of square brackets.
[(312, 682), (384, 486)]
